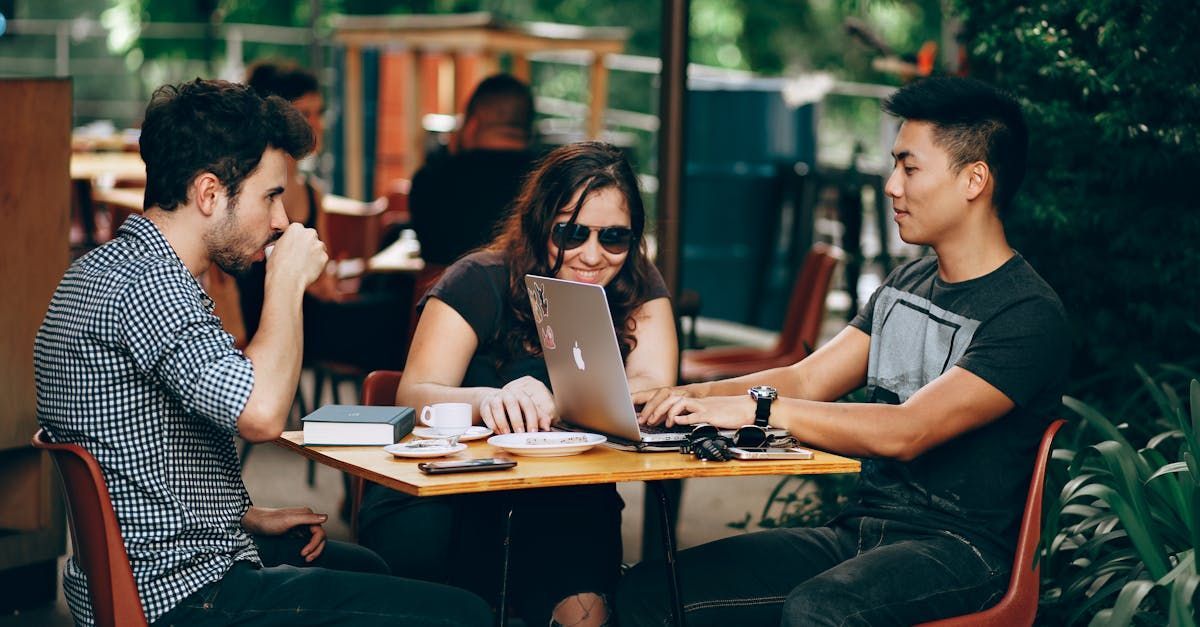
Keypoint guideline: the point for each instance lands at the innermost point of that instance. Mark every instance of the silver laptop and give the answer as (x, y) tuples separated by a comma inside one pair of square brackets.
[(584, 362)]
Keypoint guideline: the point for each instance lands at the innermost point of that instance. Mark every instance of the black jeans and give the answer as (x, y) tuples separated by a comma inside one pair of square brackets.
[(855, 571), (565, 541), (346, 585)]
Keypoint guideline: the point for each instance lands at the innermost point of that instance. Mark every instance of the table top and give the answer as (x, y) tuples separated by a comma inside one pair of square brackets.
[(123, 166), (129, 198), (332, 203), (396, 258), (601, 464)]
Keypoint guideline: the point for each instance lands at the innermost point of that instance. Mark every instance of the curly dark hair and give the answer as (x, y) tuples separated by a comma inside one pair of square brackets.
[(585, 167), (213, 126)]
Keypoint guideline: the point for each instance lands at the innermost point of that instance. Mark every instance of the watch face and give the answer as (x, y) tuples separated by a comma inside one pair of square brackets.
[(763, 391)]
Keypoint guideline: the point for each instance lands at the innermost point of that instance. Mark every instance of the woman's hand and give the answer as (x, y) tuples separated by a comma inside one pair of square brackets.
[(520, 406), (267, 521)]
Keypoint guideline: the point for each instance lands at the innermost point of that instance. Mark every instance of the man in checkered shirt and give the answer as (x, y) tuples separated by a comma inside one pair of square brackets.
[(132, 364)]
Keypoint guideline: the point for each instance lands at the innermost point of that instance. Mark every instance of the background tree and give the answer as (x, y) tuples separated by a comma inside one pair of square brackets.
[(1109, 213)]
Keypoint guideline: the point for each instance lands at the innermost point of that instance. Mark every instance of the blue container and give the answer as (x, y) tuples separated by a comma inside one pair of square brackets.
[(742, 140)]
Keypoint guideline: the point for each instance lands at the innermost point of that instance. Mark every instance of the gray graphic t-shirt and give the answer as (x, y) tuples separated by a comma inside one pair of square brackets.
[(1008, 328)]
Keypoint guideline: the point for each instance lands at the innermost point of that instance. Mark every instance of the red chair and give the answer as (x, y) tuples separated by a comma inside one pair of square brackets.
[(397, 209), (801, 327), (379, 388), (95, 536), (1019, 605)]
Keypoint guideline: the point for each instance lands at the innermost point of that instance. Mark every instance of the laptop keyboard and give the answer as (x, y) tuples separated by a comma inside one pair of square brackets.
[(657, 429)]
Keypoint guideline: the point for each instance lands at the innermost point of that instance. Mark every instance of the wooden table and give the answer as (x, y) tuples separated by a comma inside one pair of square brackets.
[(598, 465), (123, 166), (128, 199), (91, 171)]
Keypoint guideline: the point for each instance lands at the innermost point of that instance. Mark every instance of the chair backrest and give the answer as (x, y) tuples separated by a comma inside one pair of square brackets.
[(95, 535), (1019, 605), (397, 195), (806, 306), (348, 236), (426, 278), (379, 388)]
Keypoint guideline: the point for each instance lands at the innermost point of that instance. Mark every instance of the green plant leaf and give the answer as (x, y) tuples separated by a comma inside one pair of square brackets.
[(1169, 468), (1156, 393), (1110, 432), (1194, 397), (1158, 439), (1127, 604), (1183, 594), (1144, 539)]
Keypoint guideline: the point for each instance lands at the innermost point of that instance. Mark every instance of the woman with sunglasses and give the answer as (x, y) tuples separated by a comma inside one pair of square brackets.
[(579, 217)]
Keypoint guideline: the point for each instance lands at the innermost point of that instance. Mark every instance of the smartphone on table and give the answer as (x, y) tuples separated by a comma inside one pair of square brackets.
[(466, 465), (766, 452)]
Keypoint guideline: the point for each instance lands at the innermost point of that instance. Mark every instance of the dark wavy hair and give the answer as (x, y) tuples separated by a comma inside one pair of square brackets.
[(524, 239), (213, 126)]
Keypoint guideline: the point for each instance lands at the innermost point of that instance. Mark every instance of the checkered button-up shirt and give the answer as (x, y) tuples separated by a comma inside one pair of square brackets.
[(132, 364)]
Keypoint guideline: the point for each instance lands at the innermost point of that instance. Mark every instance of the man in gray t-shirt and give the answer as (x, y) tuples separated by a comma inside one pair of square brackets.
[(963, 357)]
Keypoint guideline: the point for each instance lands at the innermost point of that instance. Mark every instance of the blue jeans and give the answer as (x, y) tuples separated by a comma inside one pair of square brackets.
[(854, 571), (346, 585)]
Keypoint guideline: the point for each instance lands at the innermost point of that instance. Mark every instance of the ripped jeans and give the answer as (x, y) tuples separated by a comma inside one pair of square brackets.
[(855, 571)]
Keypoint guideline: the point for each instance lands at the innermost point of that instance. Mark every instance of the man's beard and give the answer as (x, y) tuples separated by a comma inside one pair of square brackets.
[(225, 244)]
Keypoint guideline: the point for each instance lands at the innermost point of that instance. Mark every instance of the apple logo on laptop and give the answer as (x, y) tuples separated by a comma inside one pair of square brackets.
[(578, 352)]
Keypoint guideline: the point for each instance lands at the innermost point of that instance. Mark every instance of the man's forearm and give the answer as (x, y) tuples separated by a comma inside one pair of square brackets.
[(786, 380), (276, 352), (856, 429)]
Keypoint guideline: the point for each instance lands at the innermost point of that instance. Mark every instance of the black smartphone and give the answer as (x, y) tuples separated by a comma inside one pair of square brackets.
[(465, 465)]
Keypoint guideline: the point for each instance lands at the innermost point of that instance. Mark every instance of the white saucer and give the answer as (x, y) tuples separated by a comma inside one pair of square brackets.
[(477, 432), (547, 443), (406, 449)]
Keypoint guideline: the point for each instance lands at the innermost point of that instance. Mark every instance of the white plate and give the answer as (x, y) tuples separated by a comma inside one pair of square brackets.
[(546, 443), (477, 432), (405, 449)]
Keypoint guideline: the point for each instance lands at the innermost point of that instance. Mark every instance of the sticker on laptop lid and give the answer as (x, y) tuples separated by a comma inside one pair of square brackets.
[(539, 301), (533, 306), (548, 338)]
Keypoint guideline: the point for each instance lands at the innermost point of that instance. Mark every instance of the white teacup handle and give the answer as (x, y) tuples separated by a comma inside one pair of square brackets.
[(425, 413)]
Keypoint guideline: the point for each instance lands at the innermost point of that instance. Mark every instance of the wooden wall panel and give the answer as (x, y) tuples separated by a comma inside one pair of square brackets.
[(35, 197)]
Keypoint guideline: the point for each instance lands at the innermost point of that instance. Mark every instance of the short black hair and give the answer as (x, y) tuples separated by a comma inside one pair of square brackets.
[(973, 121), (502, 100), (282, 78), (213, 126)]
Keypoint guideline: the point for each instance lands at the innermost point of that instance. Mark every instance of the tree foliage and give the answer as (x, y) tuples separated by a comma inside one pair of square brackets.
[(1108, 216)]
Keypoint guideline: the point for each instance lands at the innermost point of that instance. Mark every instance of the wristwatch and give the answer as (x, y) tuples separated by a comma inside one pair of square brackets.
[(764, 395)]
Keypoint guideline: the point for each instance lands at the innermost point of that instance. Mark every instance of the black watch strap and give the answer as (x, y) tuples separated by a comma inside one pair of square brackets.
[(762, 413)]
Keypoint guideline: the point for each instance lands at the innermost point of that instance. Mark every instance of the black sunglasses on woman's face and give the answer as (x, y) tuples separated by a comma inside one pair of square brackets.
[(614, 239)]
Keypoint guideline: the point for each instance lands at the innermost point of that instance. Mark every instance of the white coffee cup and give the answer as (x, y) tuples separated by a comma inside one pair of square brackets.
[(447, 418)]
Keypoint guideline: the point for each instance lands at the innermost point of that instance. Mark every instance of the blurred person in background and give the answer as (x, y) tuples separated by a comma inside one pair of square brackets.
[(456, 202)]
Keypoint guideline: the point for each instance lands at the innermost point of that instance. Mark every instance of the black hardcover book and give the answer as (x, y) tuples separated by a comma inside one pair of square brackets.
[(357, 425)]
